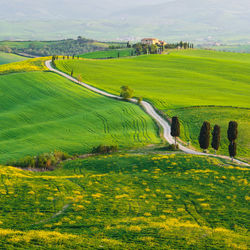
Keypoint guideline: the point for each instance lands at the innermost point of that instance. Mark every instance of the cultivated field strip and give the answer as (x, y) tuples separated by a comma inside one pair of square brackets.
[(42, 112)]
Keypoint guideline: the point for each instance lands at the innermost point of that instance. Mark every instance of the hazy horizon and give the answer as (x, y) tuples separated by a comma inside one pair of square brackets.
[(210, 20)]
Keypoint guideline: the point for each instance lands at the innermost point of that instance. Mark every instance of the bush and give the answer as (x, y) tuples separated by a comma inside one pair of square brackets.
[(101, 149), (43, 161), (140, 99), (172, 147), (126, 92)]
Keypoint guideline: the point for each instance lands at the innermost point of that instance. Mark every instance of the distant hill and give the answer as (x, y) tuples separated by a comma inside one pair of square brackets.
[(168, 19)]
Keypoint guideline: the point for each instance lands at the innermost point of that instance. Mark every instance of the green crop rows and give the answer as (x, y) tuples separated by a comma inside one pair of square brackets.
[(42, 112)]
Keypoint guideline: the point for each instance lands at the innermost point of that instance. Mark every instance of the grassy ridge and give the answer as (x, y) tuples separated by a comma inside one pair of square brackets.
[(41, 112), (108, 54), (181, 79), (127, 201), (9, 58)]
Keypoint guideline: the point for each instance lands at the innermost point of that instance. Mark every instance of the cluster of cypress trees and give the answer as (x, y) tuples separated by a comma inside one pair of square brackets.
[(205, 132), (232, 133)]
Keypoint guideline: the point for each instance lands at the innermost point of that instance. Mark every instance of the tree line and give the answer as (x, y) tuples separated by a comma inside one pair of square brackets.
[(141, 48), (205, 132)]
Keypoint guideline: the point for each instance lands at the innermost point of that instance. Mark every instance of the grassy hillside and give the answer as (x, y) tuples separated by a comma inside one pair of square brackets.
[(41, 112), (8, 58), (36, 64), (108, 54), (126, 202), (178, 80)]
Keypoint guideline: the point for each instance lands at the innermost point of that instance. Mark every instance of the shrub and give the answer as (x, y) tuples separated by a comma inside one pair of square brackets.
[(140, 99), (173, 147), (126, 92), (102, 149), (43, 161)]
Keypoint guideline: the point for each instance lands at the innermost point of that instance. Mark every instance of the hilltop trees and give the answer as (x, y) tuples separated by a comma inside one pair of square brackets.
[(175, 128), (232, 134), (204, 136), (216, 138)]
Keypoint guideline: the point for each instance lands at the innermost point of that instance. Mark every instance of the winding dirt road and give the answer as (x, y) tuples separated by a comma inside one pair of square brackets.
[(149, 109)]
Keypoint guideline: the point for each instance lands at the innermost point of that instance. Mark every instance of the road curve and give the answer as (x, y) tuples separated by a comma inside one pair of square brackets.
[(149, 109)]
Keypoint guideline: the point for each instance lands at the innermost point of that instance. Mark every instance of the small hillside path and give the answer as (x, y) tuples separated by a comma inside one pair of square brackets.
[(150, 110)]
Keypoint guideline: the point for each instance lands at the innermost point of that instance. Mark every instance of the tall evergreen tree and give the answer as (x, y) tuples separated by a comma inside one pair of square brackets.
[(232, 132), (216, 138), (175, 128), (204, 137), (232, 149)]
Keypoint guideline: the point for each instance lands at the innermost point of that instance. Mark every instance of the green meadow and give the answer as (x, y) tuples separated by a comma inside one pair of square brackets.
[(126, 201), (42, 112), (8, 58), (114, 53), (178, 80)]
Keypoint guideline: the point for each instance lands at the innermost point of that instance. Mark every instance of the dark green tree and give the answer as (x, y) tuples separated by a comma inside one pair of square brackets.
[(72, 72), (232, 132), (216, 138), (232, 149), (175, 128), (204, 137)]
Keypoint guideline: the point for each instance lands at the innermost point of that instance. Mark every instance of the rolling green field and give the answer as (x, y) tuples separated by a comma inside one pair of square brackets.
[(43, 112), (8, 58), (180, 79), (108, 54), (126, 201)]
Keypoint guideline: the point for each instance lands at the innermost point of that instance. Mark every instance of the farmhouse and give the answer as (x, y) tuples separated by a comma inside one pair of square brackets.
[(150, 41)]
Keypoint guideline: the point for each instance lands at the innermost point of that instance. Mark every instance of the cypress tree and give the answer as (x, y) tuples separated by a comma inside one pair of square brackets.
[(216, 138), (232, 132), (72, 72), (232, 149), (175, 128), (204, 136)]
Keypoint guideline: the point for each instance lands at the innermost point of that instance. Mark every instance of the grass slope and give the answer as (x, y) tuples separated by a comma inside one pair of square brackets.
[(36, 64), (181, 79), (9, 58), (108, 54), (127, 201), (41, 112)]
